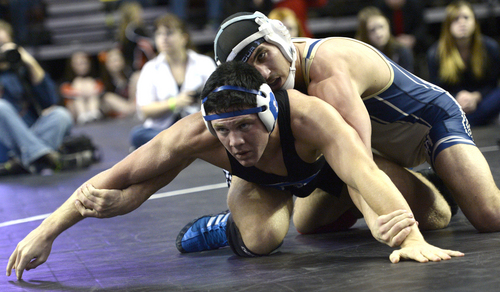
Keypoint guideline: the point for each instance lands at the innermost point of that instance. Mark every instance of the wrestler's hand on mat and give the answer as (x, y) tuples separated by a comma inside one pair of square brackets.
[(393, 228), (421, 251), (102, 203), (31, 252)]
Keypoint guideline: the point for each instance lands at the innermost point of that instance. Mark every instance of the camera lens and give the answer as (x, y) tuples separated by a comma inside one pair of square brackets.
[(12, 56)]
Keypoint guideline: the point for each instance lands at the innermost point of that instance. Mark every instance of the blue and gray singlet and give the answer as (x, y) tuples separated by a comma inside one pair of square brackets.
[(412, 119)]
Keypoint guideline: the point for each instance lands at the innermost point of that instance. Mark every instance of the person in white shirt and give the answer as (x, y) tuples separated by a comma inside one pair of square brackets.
[(169, 84)]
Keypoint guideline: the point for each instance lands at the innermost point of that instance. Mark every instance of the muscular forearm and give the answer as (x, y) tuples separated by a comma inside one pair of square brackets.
[(381, 194), (66, 215), (378, 196), (60, 220), (392, 229)]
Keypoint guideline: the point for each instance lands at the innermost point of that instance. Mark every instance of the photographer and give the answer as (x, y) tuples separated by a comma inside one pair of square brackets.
[(32, 125), (167, 85)]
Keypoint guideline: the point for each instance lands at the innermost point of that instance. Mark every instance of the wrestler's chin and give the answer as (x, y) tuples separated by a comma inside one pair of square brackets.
[(276, 84), (246, 160)]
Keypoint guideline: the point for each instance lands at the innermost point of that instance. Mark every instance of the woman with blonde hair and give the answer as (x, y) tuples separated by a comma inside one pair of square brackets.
[(467, 64), (288, 17), (374, 29)]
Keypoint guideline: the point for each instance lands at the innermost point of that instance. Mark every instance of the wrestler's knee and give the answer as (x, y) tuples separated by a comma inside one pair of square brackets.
[(486, 220), (256, 243), (438, 217), (302, 226), (342, 223)]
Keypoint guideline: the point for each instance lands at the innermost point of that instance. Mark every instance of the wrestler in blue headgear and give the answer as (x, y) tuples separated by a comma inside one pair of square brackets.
[(230, 93)]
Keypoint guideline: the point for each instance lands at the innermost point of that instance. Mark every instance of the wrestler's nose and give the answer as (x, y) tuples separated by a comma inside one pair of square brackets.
[(235, 139), (264, 71)]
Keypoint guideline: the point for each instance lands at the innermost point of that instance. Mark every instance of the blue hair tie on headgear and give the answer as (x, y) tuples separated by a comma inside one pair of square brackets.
[(267, 107)]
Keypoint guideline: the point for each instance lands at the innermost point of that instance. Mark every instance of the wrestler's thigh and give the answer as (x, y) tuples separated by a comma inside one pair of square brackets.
[(262, 214), (319, 209), (467, 174), (428, 206)]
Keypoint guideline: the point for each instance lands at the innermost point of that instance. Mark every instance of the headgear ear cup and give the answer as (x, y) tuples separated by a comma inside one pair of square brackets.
[(267, 107), (207, 123), (270, 115)]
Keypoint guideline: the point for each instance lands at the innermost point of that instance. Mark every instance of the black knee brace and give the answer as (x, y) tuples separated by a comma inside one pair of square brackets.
[(236, 242)]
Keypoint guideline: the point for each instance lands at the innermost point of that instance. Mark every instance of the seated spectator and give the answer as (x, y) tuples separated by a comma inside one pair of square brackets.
[(406, 18), (118, 99), (168, 85), (213, 10), (32, 125), (82, 89), (301, 9), (289, 19), (133, 37), (467, 64), (373, 29)]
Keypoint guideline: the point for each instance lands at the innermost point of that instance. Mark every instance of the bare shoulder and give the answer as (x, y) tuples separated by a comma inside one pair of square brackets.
[(300, 102), (346, 48), (314, 124), (307, 113), (363, 64)]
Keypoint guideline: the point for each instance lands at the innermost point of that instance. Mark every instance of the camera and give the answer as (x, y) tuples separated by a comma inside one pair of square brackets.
[(11, 56)]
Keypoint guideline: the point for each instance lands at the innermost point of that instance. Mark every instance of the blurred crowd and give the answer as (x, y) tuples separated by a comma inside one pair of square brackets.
[(154, 73)]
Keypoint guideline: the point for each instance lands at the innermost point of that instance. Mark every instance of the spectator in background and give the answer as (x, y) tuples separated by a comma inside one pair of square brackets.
[(213, 9), (467, 64), (168, 86), (32, 125), (82, 89), (301, 8), (289, 19), (234, 6), (119, 85), (373, 29), (133, 37), (407, 23)]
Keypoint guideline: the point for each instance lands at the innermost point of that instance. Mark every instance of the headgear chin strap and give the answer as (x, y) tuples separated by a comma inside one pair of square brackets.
[(290, 80), (272, 30), (267, 107)]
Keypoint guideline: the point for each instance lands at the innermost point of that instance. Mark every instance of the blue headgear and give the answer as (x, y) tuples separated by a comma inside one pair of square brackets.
[(267, 107)]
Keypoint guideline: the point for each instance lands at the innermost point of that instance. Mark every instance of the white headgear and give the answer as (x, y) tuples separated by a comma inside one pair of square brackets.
[(245, 29), (267, 107)]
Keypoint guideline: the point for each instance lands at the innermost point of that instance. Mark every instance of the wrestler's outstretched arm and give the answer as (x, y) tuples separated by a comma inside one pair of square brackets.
[(135, 179)]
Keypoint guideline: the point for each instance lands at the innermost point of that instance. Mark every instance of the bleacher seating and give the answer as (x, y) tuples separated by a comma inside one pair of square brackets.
[(84, 24)]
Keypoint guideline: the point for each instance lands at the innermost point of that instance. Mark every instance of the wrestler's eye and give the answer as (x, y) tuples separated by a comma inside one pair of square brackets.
[(262, 56), (221, 130), (244, 126)]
